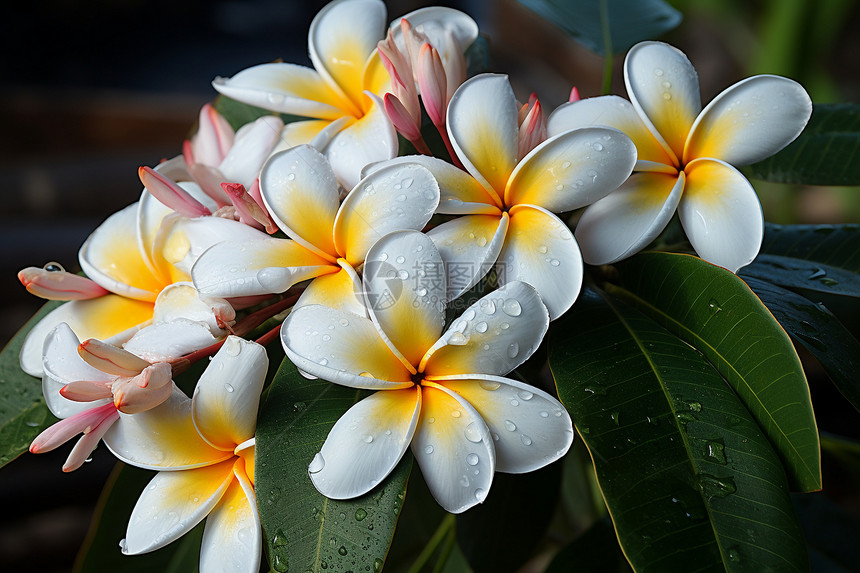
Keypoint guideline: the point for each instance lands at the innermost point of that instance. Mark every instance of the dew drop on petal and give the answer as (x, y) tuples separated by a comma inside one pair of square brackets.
[(510, 426), (489, 385), (525, 395), (455, 413), (527, 441), (367, 439), (317, 464), (513, 350), (228, 387), (428, 449), (457, 339), (472, 459), (473, 433), (480, 494), (481, 327), (512, 307)]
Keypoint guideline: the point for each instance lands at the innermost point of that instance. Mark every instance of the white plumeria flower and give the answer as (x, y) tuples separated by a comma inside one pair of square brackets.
[(329, 241), (87, 387), (508, 204), (141, 255), (686, 157), (204, 448), (445, 395)]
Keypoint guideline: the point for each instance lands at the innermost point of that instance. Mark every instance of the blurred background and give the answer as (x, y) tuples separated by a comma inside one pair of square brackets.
[(92, 89)]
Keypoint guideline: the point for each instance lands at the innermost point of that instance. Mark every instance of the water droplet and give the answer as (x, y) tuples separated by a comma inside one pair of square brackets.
[(323, 361), (542, 249), (473, 433), (401, 197), (480, 494), (658, 72), (317, 464), (342, 550), (734, 555), (510, 426), (280, 563), (428, 449), (559, 187), (565, 165), (717, 452), (714, 306), (490, 386), (456, 413), (472, 459), (377, 565), (487, 306), (403, 274), (544, 414), (232, 346), (554, 262), (482, 241), (513, 350), (667, 85), (366, 375), (55, 267), (360, 514), (468, 315), (367, 439), (464, 481), (299, 406), (228, 387), (481, 327), (457, 339), (291, 176), (343, 322), (525, 395), (400, 260), (421, 291), (431, 420), (713, 486), (695, 406), (512, 307), (667, 96), (514, 402), (527, 441), (614, 417), (597, 146)]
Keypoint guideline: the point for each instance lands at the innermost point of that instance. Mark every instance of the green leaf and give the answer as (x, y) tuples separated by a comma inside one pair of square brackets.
[(627, 21), (716, 313), (23, 414), (817, 330), (595, 551), (690, 481), (824, 154), (304, 530), (101, 553), (821, 258), (503, 532)]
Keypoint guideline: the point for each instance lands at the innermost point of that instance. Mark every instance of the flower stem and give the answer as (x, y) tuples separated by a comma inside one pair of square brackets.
[(446, 524)]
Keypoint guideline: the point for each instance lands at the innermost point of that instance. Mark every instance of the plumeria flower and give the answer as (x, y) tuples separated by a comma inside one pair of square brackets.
[(329, 241), (686, 157), (507, 203), (204, 449), (141, 256), (87, 386), (443, 394)]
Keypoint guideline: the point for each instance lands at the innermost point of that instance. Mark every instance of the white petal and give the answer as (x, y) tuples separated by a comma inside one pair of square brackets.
[(285, 88), (304, 132), (341, 347), (62, 364), (232, 539), (395, 198), (626, 220), (341, 38), (530, 428), (610, 111), (162, 438), (366, 443), (540, 250), (167, 341), (482, 124), (436, 22), (340, 290), (182, 300), (721, 214), (299, 189), (264, 266), (225, 402), (493, 336), (172, 504), (750, 121), (572, 169), (459, 192), (253, 144), (372, 138), (103, 317), (664, 88), (404, 294), (111, 257), (454, 449), (469, 246)]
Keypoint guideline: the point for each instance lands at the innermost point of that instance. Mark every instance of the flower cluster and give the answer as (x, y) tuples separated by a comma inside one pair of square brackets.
[(370, 247)]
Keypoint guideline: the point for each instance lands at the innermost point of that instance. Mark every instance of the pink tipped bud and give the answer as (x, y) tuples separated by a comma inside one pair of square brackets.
[(455, 63), (399, 116), (532, 129), (110, 359), (59, 285), (187, 153), (433, 84), (64, 430), (574, 94), (214, 137), (402, 75), (413, 40), (171, 194), (85, 391), (248, 210), (145, 391), (88, 442)]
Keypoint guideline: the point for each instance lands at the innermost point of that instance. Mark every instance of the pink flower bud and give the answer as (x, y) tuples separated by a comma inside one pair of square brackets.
[(170, 194), (145, 391), (433, 84), (248, 210), (59, 285), (110, 359)]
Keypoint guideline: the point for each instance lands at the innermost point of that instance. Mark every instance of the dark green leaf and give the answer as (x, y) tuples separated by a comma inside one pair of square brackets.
[(716, 313), (595, 551), (23, 414), (304, 530), (807, 275), (815, 327), (101, 553), (826, 153), (627, 21), (690, 481), (502, 533)]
